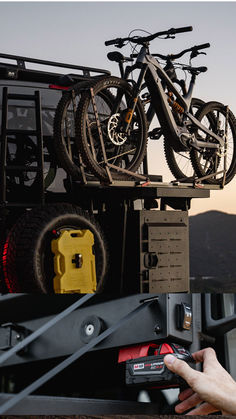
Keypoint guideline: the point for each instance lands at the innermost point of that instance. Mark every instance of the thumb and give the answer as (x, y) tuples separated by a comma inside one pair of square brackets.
[(181, 368)]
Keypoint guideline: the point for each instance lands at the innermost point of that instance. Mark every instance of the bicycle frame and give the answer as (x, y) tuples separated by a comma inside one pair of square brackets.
[(154, 75)]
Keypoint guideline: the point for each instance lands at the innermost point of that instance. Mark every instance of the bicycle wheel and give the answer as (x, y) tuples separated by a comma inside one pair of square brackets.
[(209, 161), (64, 131), (180, 163), (28, 261), (123, 150)]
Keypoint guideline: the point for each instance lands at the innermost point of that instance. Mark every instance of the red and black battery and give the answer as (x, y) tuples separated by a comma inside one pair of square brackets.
[(145, 365)]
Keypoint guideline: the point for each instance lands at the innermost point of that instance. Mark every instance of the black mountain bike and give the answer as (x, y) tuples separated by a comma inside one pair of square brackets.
[(115, 139), (179, 162)]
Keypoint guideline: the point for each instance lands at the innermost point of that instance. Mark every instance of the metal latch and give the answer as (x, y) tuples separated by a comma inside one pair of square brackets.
[(183, 316), (11, 334), (150, 260)]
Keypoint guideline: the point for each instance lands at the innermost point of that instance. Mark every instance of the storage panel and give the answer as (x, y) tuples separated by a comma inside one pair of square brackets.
[(165, 244)]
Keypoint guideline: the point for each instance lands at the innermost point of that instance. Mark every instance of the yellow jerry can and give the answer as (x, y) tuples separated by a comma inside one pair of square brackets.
[(74, 262)]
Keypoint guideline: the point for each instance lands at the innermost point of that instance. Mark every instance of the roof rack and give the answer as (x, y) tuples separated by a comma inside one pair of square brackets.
[(19, 71)]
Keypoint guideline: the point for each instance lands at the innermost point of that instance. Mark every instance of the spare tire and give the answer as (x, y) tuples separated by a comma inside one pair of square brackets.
[(27, 255)]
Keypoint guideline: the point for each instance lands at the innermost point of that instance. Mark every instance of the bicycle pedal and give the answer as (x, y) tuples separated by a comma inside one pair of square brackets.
[(146, 96), (155, 134)]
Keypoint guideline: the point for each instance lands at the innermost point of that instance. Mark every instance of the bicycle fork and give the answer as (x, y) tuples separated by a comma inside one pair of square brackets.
[(128, 116)]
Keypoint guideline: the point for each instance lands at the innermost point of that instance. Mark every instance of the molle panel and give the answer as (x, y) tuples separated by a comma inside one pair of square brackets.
[(165, 236)]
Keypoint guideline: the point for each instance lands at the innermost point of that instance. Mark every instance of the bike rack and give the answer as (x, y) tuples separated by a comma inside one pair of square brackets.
[(199, 180), (106, 161)]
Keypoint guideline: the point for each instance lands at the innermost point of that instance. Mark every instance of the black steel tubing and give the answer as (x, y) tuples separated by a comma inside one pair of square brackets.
[(54, 63)]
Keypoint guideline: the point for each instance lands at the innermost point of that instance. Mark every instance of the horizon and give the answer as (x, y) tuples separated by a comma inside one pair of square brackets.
[(211, 210)]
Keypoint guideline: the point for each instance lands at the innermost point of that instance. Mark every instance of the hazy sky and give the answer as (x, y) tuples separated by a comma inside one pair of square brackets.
[(75, 32)]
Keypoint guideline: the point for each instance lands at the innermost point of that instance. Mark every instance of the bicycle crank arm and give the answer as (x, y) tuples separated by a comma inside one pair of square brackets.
[(202, 144), (206, 130)]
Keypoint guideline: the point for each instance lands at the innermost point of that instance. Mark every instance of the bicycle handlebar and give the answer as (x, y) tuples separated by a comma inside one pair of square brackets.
[(119, 42), (113, 41), (202, 46), (180, 30), (180, 54)]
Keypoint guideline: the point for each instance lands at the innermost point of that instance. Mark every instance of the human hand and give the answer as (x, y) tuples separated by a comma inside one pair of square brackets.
[(214, 388)]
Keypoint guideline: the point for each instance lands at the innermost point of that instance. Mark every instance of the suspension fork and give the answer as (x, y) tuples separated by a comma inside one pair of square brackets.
[(133, 101)]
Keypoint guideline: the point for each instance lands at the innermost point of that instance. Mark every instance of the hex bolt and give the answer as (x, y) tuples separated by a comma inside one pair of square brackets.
[(157, 329), (89, 329)]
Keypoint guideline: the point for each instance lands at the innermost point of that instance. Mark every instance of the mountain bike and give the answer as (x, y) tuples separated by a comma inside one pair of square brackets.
[(179, 162), (116, 140)]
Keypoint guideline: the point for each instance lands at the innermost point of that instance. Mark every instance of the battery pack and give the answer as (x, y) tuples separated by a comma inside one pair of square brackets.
[(151, 371)]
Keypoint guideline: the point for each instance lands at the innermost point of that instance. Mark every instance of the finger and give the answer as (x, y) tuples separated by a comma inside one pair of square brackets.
[(185, 394), (188, 403), (181, 368), (207, 354), (203, 409)]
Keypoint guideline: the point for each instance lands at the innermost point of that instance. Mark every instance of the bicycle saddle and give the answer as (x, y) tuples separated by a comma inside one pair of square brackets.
[(117, 56)]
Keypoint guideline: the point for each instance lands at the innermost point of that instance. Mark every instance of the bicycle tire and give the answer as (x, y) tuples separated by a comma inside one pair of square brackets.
[(215, 161), (65, 149), (64, 134), (173, 158), (122, 151), (28, 259)]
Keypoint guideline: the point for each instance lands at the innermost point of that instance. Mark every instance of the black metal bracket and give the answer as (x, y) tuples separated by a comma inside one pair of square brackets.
[(21, 63), (11, 334)]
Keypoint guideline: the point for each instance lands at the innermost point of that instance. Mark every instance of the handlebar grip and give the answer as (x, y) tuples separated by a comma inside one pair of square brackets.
[(202, 46), (112, 41), (184, 29), (202, 69)]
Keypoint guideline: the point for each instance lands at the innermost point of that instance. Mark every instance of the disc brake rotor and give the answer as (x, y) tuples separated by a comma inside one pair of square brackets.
[(116, 137)]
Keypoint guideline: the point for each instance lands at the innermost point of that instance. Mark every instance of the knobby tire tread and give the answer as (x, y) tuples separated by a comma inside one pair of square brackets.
[(60, 147), (210, 107), (169, 152)]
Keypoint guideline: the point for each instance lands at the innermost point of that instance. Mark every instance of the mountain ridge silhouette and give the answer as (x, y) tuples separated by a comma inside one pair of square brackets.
[(212, 244)]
